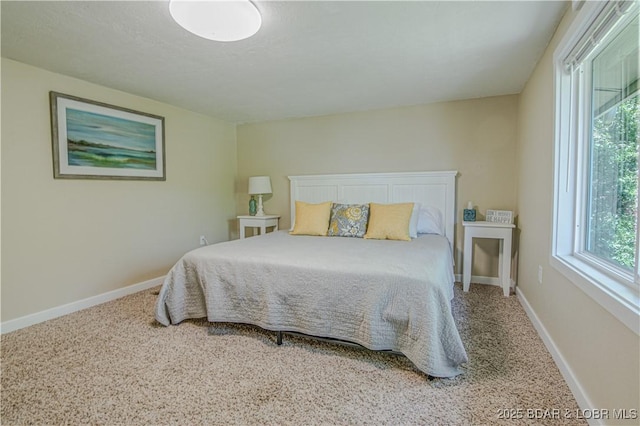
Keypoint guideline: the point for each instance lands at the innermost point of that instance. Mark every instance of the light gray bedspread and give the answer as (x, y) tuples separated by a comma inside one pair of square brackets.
[(383, 295)]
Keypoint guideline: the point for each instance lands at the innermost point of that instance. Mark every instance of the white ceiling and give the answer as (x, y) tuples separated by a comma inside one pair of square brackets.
[(309, 58)]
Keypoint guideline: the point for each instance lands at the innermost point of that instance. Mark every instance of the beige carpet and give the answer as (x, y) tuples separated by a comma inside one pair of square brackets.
[(112, 364)]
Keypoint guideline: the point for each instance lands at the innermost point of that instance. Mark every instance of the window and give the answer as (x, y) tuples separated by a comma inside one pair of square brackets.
[(612, 175), (596, 234)]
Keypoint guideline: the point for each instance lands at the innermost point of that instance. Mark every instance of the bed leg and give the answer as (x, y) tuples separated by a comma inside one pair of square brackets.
[(279, 338)]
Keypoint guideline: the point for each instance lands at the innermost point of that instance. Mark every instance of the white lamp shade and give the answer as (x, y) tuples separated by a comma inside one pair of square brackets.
[(259, 185)]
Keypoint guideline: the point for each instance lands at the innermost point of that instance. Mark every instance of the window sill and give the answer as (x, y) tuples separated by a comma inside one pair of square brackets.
[(618, 299)]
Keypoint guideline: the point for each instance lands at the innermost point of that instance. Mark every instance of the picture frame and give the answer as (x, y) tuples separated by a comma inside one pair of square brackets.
[(95, 140)]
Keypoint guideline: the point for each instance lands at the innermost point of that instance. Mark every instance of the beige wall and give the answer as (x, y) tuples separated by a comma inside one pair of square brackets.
[(603, 354), (475, 137), (65, 240)]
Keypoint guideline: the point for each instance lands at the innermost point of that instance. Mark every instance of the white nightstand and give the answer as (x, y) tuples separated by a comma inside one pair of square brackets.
[(262, 222), (501, 231)]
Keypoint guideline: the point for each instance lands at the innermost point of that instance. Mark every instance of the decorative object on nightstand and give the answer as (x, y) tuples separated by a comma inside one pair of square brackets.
[(259, 185), (469, 214), (253, 209), (500, 216), (261, 222)]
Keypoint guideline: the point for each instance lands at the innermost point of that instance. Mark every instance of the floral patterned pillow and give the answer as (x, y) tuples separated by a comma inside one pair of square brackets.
[(348, 220)]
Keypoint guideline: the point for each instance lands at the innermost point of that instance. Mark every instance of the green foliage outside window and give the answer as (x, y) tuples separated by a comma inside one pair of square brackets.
[(613, 207)]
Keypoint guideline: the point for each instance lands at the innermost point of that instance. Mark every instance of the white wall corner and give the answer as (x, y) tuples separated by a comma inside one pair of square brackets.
[(58, 311), (479, 279)]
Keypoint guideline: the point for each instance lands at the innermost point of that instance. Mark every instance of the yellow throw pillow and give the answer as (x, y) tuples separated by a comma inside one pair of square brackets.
[(389, 221), (312, 219)]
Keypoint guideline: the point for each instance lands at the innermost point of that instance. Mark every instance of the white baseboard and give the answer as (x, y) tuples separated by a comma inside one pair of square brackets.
[(479, 279), (58, 311), (574, 385)]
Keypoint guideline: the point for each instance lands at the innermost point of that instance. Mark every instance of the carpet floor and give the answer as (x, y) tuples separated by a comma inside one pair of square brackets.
[(114, 365)]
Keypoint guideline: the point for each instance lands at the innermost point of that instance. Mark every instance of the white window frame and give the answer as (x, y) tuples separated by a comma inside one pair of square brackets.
[(614, 292)]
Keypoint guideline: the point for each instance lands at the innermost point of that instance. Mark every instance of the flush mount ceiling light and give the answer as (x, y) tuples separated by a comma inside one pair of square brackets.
[(218, 20)]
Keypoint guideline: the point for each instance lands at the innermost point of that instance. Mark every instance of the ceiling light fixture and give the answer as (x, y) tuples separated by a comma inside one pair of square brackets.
[(219, 20)]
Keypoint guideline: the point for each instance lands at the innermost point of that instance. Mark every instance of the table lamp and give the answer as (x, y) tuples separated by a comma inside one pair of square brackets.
[(259, 185)]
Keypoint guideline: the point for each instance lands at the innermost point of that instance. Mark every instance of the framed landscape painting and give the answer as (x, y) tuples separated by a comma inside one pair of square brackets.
[(93, 140)]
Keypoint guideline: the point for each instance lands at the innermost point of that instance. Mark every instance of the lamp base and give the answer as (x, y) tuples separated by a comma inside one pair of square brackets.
[(260, 211)]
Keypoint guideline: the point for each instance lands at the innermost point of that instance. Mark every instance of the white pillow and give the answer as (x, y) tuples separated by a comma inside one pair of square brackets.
[(413, 222), (430, 221)]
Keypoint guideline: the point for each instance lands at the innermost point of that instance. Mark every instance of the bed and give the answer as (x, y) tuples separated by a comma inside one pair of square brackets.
[(381, 294)]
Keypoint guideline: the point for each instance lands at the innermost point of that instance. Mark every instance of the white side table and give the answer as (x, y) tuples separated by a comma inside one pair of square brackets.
[(501, 231), (262, 222)]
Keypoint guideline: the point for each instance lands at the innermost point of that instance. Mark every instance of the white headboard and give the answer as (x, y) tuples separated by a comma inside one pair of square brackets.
[(436, 189)]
